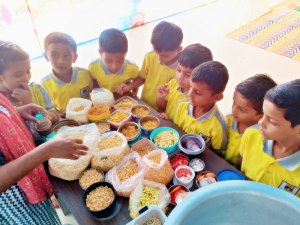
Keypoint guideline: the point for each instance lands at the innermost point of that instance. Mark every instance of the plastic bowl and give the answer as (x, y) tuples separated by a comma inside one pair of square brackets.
[(98, 170), (185, 183), (134, 139), (94, 118), (135, 117), (103, 122), (196, 138), (202, 173), (169, 149), (124, 109), (181, 155), (60, 124), (174, 186), (146, 131), (117, 125), (104, 212)]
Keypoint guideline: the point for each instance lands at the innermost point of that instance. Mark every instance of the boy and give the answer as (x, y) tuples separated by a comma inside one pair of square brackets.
[(200, 115), (170, 94), (159, 66), (112, 69), (270, 154), (64, 82), (246, 111)]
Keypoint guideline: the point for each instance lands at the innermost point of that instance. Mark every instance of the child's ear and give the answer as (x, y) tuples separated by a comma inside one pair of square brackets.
[(75, 58), (179, 49), (46, 57), (218, 97), (99, 51), (297, 127)]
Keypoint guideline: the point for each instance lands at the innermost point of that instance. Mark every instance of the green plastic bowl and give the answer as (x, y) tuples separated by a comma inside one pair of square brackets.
[(169, 149)]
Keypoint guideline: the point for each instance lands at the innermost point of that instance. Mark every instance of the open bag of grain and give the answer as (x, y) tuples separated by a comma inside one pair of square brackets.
[(77, 110)]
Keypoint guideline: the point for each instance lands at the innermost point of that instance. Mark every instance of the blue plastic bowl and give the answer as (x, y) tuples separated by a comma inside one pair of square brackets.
[(169, 149)]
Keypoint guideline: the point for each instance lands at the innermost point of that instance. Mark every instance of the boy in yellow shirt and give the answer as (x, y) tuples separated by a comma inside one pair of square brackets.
[(201, 115), (170, 94), (112, 69), (270, 153), (246, 111), (65, 81), (159, 66)]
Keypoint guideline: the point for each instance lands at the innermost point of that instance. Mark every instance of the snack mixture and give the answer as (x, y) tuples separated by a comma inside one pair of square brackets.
[(125, 104), (165, 138), (155, 159), (90, 177), (103, 127), (140, 111), (78, 109), (100, 198), (110, 142), (130, 131), (76, 136), (118, 117), (98, 110), (128, 170), (150, 124), (149, 196), (144, 150), (153, 221)]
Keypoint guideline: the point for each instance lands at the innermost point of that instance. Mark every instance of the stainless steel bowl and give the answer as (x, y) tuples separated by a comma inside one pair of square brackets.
[(144, 119)]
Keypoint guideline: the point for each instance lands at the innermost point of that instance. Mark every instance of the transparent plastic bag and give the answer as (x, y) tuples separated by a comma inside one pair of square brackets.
[(107, 159), (68, 169), (126, 187), (158, 172), (102, 96), (135, 197), (80, 116)]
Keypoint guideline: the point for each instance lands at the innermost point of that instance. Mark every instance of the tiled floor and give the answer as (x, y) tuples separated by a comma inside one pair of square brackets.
[(207, 25)]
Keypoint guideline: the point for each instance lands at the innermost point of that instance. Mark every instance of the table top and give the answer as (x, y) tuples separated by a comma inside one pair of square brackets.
[(71, 193)]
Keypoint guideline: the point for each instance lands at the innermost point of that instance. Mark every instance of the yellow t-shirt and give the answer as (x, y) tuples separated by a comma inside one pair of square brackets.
[(260, 165), (174, 97), (155, 74), (128, 72), (40, 96), (60, 92), (212, 126)]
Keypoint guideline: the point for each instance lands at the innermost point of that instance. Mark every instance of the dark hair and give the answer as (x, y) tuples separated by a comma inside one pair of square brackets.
[(194, 55), (287, 97), (166, 37), (214, 74), (254, 89), (60, 38), (113, 41), (10, 53)]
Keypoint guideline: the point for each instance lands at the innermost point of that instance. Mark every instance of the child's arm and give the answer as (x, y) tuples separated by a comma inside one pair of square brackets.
[(55, 115), (162, 92)]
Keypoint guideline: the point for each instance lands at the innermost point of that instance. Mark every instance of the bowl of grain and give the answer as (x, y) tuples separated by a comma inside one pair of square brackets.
[(131, 131), (165, 138), (89, 177), (100, 199), (138, 111), (148, 124), (98, 112), (103, 126)]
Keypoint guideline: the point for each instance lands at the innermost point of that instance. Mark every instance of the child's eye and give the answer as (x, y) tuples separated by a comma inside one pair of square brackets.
[(54, 55), (67, 56)]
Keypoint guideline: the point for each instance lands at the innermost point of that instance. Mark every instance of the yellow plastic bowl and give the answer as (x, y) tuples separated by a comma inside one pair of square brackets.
[(102, 116)]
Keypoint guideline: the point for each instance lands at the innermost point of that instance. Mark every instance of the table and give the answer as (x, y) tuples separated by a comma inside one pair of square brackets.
[(71, 193)]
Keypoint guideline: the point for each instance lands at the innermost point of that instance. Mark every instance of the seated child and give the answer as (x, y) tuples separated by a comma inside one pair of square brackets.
[(159, 66), (170, 94), (14, 80), (247, 110), (64, 82), (112, 69), (270, 154), (201, 115)]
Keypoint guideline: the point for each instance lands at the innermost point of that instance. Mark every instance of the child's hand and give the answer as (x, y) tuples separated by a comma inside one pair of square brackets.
[(28, 112), (23, 94), (135, 92), (123, 88), (164, 116), (162, 91)]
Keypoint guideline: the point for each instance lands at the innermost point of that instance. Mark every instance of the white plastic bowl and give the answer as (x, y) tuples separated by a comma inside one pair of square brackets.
[(185, 183)]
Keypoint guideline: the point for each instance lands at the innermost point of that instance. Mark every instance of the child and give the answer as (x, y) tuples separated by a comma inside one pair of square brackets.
[(159, 66), (14, 80), (64, 82), (246, 111), (112, 69), (170, 94), (270, 154), (200, 115)]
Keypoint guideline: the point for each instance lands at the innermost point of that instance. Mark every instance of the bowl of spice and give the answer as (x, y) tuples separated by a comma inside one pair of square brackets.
[(131, 131), (98, 112), (100, 199), (148, 124), (165, 138), (90, 177), (138, 111), (103, 126)]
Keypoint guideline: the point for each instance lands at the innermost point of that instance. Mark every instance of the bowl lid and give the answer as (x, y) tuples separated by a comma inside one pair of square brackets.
[(229, 174)]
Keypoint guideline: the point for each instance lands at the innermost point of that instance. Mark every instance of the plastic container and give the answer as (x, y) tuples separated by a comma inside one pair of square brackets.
[(144, 217), (104, 212), (203, 173), (196, 138), (102, 96), (94, 118), (44, 128), (135, 117), (62, 123), (98, 170), (127, 109), (181, 155), (185, 183), (117, 125), (135, 138), (103, 122), (145, 131), (197, 165), (174, 186), (169, 149), (228, 174)]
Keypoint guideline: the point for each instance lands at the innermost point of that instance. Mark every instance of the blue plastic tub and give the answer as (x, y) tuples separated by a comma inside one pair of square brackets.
[(160, 129)]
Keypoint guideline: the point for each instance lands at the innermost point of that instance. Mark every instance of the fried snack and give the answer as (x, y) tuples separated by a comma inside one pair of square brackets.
[(144, 150), (140, 111), (110, 142), (78, 109), (130, 132), (128, 170), (150, 124), (125, 104), (165, 138), (118, 117)]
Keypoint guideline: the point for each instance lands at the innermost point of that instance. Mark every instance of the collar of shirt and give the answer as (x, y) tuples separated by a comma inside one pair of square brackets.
[(62, 83), (172, 66), (107, 72), (206, 116), (291, 162), (180, 90)]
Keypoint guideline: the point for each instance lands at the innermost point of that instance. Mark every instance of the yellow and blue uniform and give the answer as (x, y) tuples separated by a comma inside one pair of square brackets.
[(174, 97), (259, 164), (155, 73), (128, 72), (60, 92), (212, 126)]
